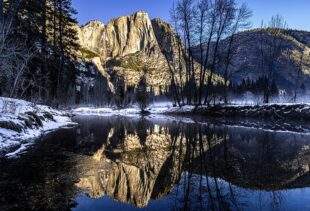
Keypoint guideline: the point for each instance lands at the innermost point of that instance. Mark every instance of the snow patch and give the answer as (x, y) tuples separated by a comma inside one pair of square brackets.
[(155, 108), (16, 133)]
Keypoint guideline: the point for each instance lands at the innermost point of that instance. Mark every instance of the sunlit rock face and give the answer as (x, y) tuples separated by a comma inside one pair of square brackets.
[(135, 161), (131, 46), (132, 142), (130, 34), (92, 37), (137, 165), (127, 46), (120, 37)]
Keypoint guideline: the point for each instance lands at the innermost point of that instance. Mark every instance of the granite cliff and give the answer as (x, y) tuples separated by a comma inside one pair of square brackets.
[(130, 46)]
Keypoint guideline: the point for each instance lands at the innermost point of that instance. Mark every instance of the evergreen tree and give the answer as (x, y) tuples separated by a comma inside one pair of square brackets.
[(119, 90), (47, 26), (64, 46), (142, 95), (1, 10)]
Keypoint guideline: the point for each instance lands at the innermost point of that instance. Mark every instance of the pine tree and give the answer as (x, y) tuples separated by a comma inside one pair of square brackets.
[(119, 89), (1, 10), (142, 95), (64, 46), (48, 28)]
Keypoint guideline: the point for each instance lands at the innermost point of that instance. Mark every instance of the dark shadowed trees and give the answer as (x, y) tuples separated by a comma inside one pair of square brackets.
[(272, 44), (1, 10), (299, 62), (142, 95), (185, 18), (119, 90), (43, 37), (14, 53), (241, 22), (64, 45), (204, 24)]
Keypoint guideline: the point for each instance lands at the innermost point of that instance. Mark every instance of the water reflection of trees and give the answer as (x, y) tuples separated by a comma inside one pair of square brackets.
[(197, 190), (258, 160), (192, 166), (40, 179), (250, 159)]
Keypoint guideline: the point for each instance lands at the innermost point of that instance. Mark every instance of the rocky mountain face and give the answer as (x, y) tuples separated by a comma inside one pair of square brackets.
[(129, 173), (126, 46), (247, 63), (120, 37), (131, 46)]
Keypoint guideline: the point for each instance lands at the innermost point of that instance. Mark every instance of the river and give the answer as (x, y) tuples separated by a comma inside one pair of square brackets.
[(119, 163)]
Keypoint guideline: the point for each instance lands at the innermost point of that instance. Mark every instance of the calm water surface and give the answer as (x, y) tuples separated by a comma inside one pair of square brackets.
[(117, 163)]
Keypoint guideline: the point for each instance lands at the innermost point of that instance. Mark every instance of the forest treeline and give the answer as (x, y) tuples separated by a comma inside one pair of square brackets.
[(209, 30), (39, 45), (207, 42), (37, 50)]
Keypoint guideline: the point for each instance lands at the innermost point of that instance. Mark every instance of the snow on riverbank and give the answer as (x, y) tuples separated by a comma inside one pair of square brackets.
[(167, 108), (271, 111), (156, 108), (21, 122)]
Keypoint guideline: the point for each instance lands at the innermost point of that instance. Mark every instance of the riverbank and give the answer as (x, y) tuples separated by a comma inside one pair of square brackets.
[(265, 112), (22, 122), (293, 118), (155, 108)]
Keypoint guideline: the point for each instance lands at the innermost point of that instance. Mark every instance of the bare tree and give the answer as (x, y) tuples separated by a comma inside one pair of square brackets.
[(142, 95), (225, 11), (299, 63), (14, 56), (185, 17), (205, 24), (179, 59), (241, 22), (206, 20), (272, 45), (172, 52)]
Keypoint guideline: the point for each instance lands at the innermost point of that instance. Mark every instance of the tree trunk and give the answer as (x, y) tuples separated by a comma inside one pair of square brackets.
[(1, 10), (44, 43)]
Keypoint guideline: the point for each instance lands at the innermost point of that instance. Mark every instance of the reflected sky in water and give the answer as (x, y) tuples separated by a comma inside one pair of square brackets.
[(117, 163)]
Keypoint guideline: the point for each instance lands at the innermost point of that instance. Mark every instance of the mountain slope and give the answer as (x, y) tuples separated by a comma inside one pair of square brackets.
[(246, 62), (126, 46), (131, 46)]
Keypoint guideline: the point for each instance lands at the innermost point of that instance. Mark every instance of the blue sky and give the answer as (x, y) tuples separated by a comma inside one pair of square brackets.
[(295, 12)]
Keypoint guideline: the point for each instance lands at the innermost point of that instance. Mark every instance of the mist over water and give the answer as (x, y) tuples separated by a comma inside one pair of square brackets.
[(249, 98)]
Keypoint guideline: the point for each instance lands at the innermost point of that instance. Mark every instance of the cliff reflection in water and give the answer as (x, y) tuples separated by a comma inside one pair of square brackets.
[(151, 164), (142, 160)]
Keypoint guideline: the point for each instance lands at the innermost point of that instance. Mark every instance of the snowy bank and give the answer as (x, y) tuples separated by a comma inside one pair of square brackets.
[(266, 111), (21, 122), (156, 108), (275, 111)]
